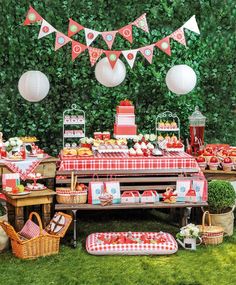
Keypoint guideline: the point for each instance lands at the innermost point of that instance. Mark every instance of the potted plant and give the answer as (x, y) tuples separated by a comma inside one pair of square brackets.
[(187, 237), (221, 202), (13, 144)]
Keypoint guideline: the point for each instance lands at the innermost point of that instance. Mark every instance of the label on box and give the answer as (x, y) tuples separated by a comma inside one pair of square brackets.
[(125, 119)]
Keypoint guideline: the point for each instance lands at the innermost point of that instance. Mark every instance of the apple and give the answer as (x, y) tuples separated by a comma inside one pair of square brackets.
[(214, 159), (200, 159), (15, 190), (224, 152), (78, 188), (179, 144), (227, 160), (21, 188), (206, 153), (209, 149)]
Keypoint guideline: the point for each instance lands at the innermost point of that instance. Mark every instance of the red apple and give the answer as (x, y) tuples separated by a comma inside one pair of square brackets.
[(227, 160), (209, 149), (214, 159), (200, 159), (179, 144), (206, 153)]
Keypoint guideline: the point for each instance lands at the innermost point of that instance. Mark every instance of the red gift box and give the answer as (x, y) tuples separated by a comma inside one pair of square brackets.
[(125, 130), (125, 110)]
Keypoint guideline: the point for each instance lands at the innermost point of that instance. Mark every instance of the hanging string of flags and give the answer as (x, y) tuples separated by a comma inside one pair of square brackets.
[(109, 37)]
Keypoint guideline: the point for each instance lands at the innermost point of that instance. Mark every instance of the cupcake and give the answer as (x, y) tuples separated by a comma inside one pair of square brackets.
[(139, 152), (201, 162), (160, 138), (137, 145), (132, 152), (161, 125), (150, 146), (167, 125), (143, 146), (227, 164), (214, 163), (173, 125)]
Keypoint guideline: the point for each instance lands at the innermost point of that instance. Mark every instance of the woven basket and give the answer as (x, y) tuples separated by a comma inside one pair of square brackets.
[(210, 234), (66, 196), (42, 245)]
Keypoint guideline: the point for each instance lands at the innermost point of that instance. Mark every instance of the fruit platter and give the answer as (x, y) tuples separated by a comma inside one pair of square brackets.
[(19, 190)]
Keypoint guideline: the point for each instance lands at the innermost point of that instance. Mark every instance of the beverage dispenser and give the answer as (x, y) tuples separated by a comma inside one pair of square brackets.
[(197, 126)]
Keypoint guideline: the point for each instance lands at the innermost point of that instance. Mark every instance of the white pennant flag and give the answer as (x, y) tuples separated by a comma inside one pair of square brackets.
[(45, 29), (191, 25), (130, 56), (90, 35)]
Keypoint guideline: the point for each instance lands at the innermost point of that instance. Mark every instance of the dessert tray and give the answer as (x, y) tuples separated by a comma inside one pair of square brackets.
[(13, 159), (19, 193), (35, 187)]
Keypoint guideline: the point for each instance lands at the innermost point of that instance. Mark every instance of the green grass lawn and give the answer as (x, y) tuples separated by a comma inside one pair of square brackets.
[(208, 265)]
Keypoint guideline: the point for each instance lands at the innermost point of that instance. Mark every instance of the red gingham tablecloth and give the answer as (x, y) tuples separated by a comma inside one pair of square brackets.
[(122, 161)]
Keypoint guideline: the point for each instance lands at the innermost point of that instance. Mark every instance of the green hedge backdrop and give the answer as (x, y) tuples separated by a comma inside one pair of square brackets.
[(211, 54)]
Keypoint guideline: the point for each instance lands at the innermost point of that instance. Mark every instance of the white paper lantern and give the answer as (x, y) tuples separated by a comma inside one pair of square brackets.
[(181, 79), (33, 86), (107, 76)]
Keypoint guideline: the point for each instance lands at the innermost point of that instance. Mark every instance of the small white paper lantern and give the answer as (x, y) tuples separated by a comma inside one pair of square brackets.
[(107, 76), (181, 79), (33, 86)]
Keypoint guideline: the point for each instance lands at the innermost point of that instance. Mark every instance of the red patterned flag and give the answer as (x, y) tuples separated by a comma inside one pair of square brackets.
[(126, 32), (130, 56), (90, 35), (164, 45), (77, 49), (94, 54), (178, 36), (147, 52), (141, 23), (109, 37), (46, 29), (32, 17), (112, 56), (74, 28), (61, 40)]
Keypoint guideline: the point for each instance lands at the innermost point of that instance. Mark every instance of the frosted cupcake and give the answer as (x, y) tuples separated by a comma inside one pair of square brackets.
[(132, 152), (139, 152)]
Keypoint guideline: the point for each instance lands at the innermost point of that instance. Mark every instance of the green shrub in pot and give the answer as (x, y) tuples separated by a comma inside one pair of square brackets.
[(221, 201), (221, 196)]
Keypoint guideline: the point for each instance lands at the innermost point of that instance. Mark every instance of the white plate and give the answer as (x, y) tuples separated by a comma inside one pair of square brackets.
[(19, 193), (14, 159)]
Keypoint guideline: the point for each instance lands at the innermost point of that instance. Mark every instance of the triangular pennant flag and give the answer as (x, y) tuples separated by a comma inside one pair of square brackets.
[(32, 17), (94, 54), (178, 36), (112, 56), (90, 35), (126, 32), (109, 37), (147, 52), (61, 40), (141, 23), (191, 25), (77, 49), (74, 28), (46, 29), (130, 56), (164, 45)]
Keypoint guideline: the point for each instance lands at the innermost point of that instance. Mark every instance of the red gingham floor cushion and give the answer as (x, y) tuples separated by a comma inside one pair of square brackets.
[(146, 243)]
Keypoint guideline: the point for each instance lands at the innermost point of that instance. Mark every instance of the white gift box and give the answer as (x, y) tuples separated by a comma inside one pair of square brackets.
[(128, 197), (137, 196), (148, 197), (125, 120)]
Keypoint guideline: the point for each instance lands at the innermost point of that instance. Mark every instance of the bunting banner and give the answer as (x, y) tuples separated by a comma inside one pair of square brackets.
[(77, 49), (61, 40), (90, 36), (130, 56), (112, 56), (46, 29), (94, 54), (32, 17), (147, 52), (74, 28), (109, 37)]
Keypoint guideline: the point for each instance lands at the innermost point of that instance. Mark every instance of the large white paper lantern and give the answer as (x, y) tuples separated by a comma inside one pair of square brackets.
[(108, 76), (181, 79), (33, 86)]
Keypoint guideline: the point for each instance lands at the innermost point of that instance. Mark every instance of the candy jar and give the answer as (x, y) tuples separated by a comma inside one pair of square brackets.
[(197, 126)]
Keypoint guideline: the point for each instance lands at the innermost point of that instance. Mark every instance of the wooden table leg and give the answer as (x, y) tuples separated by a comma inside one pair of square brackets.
[(75, 228), (11, 214), (46, 209), (19, 218)]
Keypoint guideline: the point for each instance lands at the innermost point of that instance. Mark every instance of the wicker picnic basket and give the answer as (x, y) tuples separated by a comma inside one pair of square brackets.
[(210, 234), (68, 195), (42, 245)]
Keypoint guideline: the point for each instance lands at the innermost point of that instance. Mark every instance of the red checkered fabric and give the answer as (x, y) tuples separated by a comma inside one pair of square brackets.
[(96, 247), (30, 230), (122, 161)]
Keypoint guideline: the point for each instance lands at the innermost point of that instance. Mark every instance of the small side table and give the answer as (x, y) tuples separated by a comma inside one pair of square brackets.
[(42, 197)]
